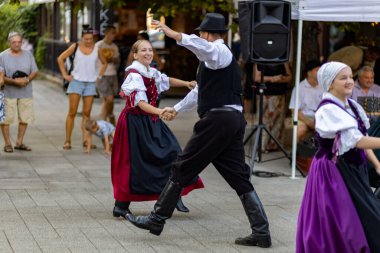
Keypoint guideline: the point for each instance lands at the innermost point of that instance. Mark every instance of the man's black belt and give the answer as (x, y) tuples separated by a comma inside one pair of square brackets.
[(219, 109), (223, 109)]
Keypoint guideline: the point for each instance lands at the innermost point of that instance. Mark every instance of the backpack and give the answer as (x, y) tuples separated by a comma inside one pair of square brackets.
[(69, 64)]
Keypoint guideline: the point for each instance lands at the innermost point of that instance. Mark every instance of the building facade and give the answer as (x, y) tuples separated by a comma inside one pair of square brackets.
[(60, 24)]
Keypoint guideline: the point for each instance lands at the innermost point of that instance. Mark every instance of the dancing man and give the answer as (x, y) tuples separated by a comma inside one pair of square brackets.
[(218, 135)]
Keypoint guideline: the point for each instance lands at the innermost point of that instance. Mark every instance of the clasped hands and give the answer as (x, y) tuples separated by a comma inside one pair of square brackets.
[(168, 113), (21, 81)]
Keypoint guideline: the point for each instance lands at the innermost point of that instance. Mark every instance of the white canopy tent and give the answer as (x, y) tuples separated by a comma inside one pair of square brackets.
[(325, 10)]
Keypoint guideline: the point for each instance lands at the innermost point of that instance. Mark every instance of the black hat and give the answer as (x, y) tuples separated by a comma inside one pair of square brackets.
[(310, 65), (213, 22)]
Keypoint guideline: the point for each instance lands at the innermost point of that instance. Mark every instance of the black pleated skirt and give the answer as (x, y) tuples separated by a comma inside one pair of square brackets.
[(153, 149), (366, 204)]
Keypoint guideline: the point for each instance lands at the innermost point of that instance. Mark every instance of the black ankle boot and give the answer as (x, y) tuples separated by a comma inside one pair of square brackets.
[(163, 210), (121, 209), (155, 226), (258, 220), (181, 207)]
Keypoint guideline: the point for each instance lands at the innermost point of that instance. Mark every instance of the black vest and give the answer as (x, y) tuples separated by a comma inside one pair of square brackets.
[(218, 87)]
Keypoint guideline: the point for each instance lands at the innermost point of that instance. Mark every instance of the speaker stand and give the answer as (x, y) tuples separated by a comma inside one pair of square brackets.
[(258, 130)]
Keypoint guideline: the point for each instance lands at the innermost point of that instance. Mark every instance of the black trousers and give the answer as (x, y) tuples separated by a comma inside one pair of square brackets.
[(218, 139)]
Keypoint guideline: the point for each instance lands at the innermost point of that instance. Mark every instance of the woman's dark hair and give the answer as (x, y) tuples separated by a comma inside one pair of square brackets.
[(86, 29)]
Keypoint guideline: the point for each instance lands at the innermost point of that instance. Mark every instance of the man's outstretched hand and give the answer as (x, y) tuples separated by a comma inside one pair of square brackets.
[(167, 30)]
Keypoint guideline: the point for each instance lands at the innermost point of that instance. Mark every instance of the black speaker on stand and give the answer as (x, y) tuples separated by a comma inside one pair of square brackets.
[(264, 27)]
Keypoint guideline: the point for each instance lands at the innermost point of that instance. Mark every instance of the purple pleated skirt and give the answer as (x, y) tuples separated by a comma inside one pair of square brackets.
[(328, 221)]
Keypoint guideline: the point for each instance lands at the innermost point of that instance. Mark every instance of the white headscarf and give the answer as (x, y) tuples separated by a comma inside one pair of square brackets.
[(328, 72)]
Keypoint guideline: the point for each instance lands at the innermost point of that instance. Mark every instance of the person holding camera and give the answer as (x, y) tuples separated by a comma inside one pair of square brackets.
[(20, 69)]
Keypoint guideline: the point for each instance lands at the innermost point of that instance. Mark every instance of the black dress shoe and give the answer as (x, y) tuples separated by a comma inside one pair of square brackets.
[(262, 241), (117, 212), (147, 222), (181, 207)]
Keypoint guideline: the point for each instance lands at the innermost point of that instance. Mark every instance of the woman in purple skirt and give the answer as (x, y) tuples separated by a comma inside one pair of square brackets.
[(339, 212)]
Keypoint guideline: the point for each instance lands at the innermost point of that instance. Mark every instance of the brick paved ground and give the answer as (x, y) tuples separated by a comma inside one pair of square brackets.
[(53, 200)]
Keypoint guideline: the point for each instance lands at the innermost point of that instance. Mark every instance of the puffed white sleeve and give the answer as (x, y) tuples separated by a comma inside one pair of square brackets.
[(134, 89), (162, 81), (331, 120)]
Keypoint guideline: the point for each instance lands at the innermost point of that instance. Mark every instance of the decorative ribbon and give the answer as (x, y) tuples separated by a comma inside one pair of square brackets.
[(335, 147)]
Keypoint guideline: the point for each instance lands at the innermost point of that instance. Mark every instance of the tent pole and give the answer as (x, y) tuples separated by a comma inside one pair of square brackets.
[(295, 120)]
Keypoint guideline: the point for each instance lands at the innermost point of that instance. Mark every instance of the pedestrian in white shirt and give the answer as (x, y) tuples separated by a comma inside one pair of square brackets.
[(310, 95)]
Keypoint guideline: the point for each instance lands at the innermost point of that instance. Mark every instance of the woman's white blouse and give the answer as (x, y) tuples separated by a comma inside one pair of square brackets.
[(135, 83), (331, 119)]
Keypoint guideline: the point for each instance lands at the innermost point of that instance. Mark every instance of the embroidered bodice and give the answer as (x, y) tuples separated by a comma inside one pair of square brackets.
[(329, 146)]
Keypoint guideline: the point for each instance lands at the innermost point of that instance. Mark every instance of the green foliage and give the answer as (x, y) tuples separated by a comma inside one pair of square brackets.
[(28, 21), (172, 7), (169, 8), (40, 52), (346, 26), (7, 16), (114, 3), (191, 7), (18, 17)]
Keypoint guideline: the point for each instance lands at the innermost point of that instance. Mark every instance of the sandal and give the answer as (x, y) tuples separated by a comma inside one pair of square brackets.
[(8, 149), (23, 147), (67, 146), (93, 146)]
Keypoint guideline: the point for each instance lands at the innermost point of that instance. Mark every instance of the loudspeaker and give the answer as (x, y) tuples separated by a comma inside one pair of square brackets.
[(265, 30)]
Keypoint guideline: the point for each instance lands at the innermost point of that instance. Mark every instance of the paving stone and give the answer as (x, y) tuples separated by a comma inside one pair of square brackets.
[(55, 200)]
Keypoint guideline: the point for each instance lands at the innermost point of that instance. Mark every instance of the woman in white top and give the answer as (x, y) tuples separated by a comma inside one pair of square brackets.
[(82, 80)]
